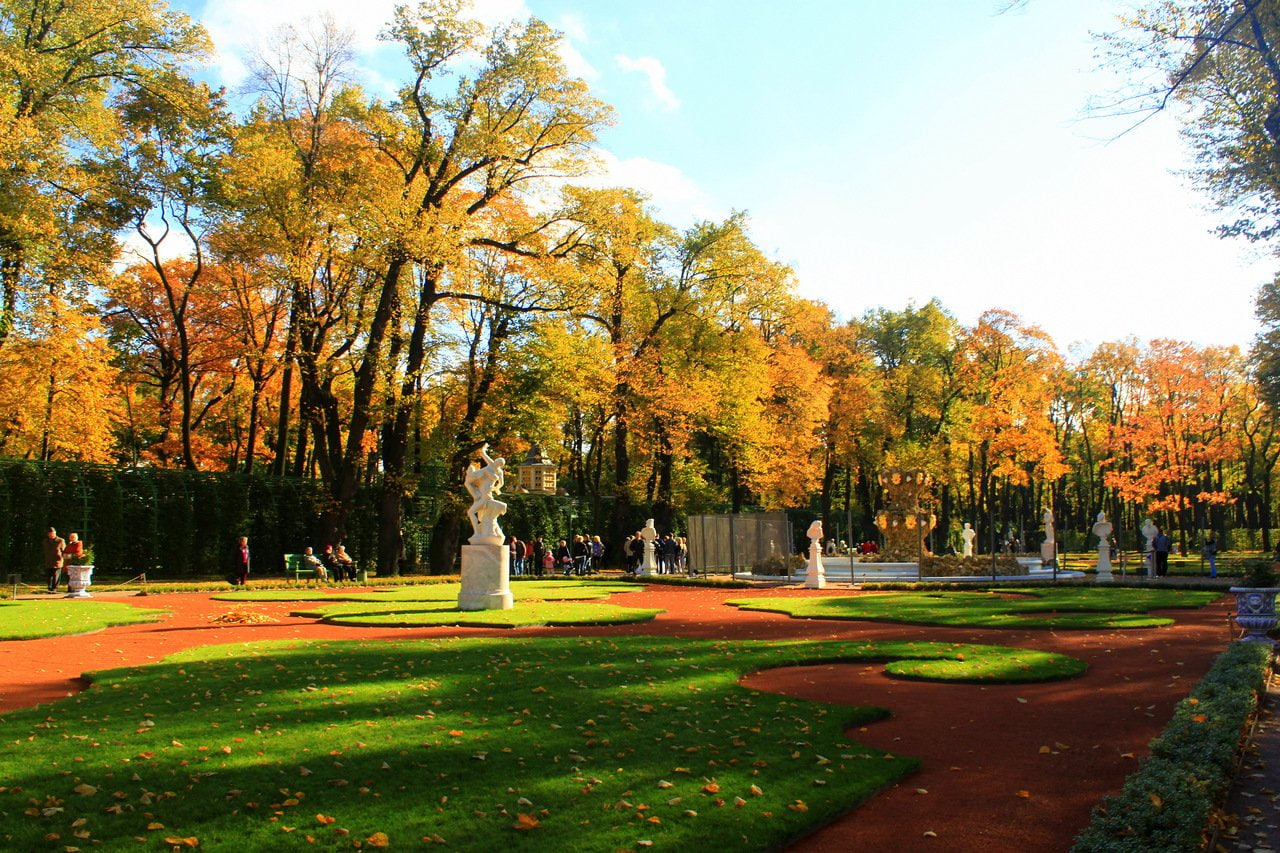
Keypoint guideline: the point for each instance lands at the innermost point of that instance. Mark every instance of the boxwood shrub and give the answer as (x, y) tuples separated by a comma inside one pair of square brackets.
[(1168, 803)]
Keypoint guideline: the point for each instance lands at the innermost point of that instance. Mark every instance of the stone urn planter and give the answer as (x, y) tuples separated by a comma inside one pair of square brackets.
[(79, 579), (1255, 611)]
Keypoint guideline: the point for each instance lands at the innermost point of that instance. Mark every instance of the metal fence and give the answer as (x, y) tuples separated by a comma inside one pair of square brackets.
[(733, 543)]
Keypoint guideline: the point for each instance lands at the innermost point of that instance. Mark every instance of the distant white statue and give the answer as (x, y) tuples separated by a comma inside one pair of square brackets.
[(483, 482), (1102, 529), (649, 563), (1149, 530), (968, 535), (815, 576), (1049, 547)]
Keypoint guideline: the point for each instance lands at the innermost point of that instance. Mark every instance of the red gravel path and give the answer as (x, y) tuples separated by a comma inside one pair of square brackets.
[(985, 784)]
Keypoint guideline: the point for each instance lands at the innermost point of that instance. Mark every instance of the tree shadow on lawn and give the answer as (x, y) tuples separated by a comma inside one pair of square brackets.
[(591, 738)]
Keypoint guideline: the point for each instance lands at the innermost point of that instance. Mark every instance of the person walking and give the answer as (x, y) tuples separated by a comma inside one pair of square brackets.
[(240, 561), (1161, 545), (1210, 552), (54, 546)]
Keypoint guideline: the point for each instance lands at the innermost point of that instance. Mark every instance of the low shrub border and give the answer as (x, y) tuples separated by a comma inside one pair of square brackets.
[(1169, 802)]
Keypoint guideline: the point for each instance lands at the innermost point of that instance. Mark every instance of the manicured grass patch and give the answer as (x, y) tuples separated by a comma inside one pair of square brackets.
[(1169, 803), (1028, 608), (430, 614), (578, 743), (566, 590), (31, 620)]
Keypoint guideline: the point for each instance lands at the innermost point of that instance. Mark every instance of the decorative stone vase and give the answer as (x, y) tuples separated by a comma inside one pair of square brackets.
[(79, 579), (1255, 611)]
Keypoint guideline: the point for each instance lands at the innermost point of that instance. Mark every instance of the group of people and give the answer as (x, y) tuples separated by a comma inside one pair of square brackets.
[(334, 562), (60, 553), (670, 553), (583, 556)]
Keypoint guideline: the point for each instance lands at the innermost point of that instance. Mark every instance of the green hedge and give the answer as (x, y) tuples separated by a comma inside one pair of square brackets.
[(170, 524), (1167, 804)]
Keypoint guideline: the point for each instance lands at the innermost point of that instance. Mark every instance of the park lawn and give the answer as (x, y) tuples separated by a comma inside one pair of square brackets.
[(573, 744), (37, 618), (548, 590), (427, 614), (1078, 608)]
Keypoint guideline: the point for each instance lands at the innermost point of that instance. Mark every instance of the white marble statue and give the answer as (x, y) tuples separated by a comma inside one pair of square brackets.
[(1049, 547), (483, 482), (1149, 531), (486, 566), (815, 576), (649, 564), (968, 535), (1102, 529)]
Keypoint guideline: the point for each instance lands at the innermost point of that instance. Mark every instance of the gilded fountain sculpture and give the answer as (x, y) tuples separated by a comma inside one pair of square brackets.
[(903, 523)]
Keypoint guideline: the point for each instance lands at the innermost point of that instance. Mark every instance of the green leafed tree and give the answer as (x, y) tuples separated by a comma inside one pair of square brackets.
[(63, 65)]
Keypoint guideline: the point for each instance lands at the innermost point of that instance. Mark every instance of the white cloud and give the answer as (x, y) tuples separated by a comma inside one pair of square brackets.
[(677, 198), (656, 73)]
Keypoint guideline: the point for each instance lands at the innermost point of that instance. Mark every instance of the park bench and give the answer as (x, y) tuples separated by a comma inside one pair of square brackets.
[(294, 568)]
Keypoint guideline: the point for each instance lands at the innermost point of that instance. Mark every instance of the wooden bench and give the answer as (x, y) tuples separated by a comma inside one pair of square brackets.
[(294, 568)]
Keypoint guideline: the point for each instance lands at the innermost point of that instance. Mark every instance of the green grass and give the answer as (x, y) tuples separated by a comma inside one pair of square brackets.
[(34, 619), (537, 603), (428, 614), (523, 591), (1106, 608), (603, 743)]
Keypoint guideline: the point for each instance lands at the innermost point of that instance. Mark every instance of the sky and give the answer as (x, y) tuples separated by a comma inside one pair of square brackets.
[(890, 153)]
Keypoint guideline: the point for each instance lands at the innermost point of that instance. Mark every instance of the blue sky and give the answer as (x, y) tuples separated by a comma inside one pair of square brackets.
[(889, 152)]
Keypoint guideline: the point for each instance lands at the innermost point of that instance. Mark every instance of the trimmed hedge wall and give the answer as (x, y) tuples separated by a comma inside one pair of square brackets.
[(170, 524), (1167, 804)]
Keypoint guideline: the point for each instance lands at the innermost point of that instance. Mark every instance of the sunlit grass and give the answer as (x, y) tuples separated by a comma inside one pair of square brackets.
[(543, 744), (1079, 608), (525, 590), (36, 618), (430, 614)]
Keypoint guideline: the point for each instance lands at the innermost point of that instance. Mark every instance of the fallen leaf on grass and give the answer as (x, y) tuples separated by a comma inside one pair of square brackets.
[(182, 842), (378, 839), (526, 822)]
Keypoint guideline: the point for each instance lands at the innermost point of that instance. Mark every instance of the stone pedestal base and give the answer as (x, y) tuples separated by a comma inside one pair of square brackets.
[(815, 576), (486, 582), (1048, 552), (649, 563), (1104, 566)]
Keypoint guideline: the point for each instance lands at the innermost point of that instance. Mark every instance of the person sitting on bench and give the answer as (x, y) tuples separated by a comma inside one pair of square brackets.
[(314, 563)]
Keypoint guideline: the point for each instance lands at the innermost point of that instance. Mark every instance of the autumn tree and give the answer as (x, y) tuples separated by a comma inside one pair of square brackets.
[(62, 65), (1005, 368), (1176, 435)]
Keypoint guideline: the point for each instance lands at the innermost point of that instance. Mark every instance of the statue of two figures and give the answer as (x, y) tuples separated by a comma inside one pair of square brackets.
[(486, 560), (483, 482)]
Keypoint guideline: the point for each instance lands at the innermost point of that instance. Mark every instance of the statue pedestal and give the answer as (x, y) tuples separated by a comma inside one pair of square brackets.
[(649, 563), (1104, 565), (815, 576), (1048, 552), (486, 582)]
